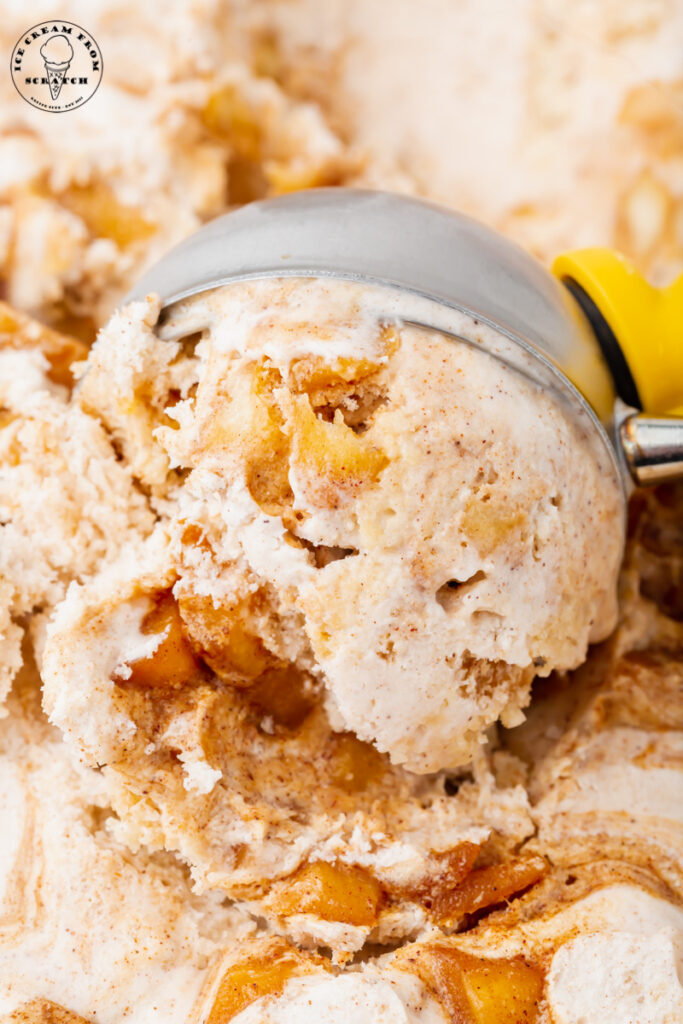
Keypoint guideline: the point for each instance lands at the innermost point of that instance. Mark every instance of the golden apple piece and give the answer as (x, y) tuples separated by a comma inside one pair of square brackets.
[(446, 871), (332, 892), (43, 1011), (229, 117), (313, 374), (343, 382), (355, 764), (490, 524), (262, 974), (173, 663), (21, 332), (80, 328), (655, 109), (223, 639), (247, 427), (234, 122), (486, 887), (105, 216), (292, 175), (332, 451), (502, 991), (281, 694), (475, 990)]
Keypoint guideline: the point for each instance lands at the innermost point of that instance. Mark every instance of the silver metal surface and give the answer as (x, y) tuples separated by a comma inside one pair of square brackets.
[(444, 260), (394, 240), (417, 247), (653, 447)]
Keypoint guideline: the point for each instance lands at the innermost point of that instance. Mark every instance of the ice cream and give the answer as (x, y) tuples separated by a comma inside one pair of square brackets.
[(181, 128), (568, 130), (57, 53), (370, 997), (222, 103), (66, 503), (370, 538), (85, 923), (309, 828), (613, 951), (611, 784), (116, 877), (427, 513)]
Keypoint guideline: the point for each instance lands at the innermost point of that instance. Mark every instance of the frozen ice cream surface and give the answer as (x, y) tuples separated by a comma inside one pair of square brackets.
[(224, 601), (85, 923), (437, 525), (613, 947), (181, 130), (611, 786), (369, 997), (66, 502), (244, 777)]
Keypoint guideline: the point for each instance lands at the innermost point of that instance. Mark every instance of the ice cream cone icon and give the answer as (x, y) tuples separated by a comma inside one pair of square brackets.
[(57, 53)]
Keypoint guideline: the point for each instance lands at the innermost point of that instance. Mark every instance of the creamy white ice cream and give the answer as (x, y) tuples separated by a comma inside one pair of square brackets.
[(66, 503), (620, 978), (469, 533), (85, 922), (570, 136), (366, 998)]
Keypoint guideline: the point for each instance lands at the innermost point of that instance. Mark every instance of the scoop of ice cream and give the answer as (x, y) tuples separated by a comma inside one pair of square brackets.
[(441, 526), (57, 51), (251, 785)]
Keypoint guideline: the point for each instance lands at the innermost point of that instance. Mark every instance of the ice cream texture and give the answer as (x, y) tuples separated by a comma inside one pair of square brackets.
[(616, 948), (368, 543), (437, 525), (119, 877)]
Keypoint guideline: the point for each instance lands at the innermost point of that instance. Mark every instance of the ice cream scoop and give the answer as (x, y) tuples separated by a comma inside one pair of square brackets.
[(595, 333), (408, 433)]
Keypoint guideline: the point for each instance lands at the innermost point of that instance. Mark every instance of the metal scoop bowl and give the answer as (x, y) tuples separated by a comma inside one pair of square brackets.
[(604, 341)]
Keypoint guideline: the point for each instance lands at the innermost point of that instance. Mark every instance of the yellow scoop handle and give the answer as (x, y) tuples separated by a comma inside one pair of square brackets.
[(647, 322)]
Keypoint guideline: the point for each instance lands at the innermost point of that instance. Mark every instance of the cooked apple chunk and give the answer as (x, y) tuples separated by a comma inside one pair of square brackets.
[(19, 331), (173, 662), (330, 456), (477, 990), (106, 216), (263, 972), (486, 887), (333, 892), (42, 1011)]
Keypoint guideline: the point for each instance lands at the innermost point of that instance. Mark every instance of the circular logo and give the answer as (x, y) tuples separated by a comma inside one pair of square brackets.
[(56, 66)]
